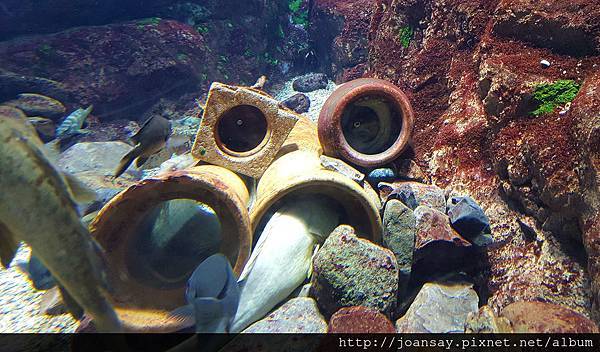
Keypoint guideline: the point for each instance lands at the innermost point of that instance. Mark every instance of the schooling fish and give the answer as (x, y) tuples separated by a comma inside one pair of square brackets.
[(72, 124), (37, 207), (212, 294), (282, 258), (149, 140)]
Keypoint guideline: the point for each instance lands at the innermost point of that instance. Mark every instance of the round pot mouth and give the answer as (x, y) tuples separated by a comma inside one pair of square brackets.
[(367, 122), (115, 228), (242, 130), (356, 209)]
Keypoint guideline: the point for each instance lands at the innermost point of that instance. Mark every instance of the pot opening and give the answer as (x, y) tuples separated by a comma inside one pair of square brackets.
[(371, 124), (170, 241), (241, 129)]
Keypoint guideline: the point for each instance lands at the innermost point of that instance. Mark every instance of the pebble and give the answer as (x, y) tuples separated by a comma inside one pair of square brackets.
[(310, 82), (399, 231), (317, 97), (296, 316), (360, 320), (351, 271), (439, 308), (381, 175), (545, 63), (299, 103), (469, 220)]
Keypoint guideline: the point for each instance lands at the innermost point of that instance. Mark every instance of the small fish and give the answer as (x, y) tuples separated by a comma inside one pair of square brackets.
[(282, 258), (212, 294), (260, 83), (72, 124), (50, 225), (149, 140)]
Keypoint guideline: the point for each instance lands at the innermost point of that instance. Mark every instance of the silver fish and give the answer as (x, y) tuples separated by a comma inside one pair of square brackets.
[(282, 258)]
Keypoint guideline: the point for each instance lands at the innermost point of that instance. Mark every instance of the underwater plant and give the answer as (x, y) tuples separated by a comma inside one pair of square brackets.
[(299, 16), (549, 96), (151, 21), (405, 34)]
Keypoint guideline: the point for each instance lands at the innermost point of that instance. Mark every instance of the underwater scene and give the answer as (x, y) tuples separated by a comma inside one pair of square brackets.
[(299, 166)]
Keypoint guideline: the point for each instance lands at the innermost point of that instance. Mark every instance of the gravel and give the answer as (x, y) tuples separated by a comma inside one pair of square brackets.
[(19, 303), (317, 97)]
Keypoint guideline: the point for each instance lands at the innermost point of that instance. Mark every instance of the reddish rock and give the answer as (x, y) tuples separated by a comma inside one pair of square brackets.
[(359, 320), (541, 317)]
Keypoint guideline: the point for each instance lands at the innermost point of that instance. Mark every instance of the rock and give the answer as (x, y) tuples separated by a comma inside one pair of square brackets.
[(407, 169), (45, 128), (541, 317), (439, 308), (485, 321), (12, 84), (38, 105), (300, 103), (438, 248), (413, 194), (94, 163), (399, 231), (310, 82), (296, 316), (359, 320), (351, 271), (381, 175), (469, 220)]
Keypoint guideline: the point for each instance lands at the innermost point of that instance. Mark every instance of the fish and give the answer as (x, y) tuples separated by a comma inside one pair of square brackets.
[(260, 83), (47, 220), (368, 126), (282, 258), (212, 295), (149, 140), (71, 125)]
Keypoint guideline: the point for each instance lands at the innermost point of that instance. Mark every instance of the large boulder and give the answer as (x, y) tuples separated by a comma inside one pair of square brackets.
[(351, 271), (541, 317), (399, 232)]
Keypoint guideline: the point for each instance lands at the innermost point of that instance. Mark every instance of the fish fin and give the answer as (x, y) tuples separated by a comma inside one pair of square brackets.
[(136, 137), (52, 150), (184, 316), (140, 161), (312, 259), (72, 306), (210, 278), (51, 302), (80, 192), (127, 160), (8, 246), (210, 316), (84, 131)]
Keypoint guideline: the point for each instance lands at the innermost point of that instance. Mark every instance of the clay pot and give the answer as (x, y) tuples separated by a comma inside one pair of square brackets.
[(242, 129), (143, 305), (367, 122), (300, 172)]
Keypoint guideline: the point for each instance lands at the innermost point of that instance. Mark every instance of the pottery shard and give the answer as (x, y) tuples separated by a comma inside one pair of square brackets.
[(350, 271), (38, 105), (439, 308), (359, 320), (541, 317), (413, 194), (297, 316)]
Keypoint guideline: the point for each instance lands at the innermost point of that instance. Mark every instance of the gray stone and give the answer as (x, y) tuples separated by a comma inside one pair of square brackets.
[(310, 82), (399, 231), (101, 158), (351, 271), (296, 316), (299, 103), (439, 308), (381, 175), (413, 194)]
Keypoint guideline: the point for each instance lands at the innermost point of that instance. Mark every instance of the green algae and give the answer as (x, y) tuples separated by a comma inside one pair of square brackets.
[(549, 96), (405, 34)]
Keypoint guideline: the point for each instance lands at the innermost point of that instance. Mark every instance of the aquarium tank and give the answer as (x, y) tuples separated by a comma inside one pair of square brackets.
[(299, 167)]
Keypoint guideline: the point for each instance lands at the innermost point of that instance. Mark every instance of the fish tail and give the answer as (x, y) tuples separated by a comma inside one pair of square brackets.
[(127, 160)]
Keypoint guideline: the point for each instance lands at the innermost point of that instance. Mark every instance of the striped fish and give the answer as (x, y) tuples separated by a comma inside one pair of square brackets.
[(71, 125)]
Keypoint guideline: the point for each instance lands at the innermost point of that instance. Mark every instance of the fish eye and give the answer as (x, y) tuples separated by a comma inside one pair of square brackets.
[(239, 122), (356, 124)]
